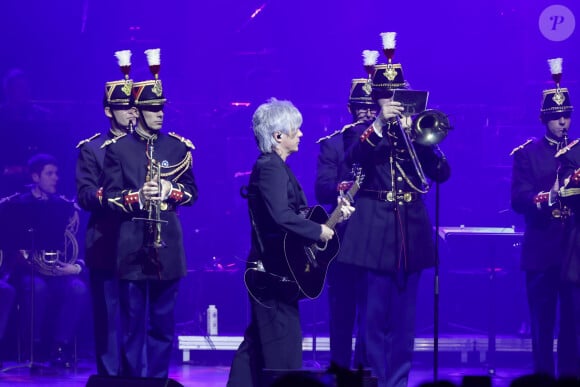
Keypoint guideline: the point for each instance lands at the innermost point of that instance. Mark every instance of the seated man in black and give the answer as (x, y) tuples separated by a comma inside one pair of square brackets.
[(43, 246)]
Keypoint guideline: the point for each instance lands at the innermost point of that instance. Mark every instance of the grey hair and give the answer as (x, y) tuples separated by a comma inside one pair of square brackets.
[(271, 117)]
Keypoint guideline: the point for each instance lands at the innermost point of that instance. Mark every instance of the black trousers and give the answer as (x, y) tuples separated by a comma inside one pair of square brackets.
[(148, 326), (58, 303), (273, 340), (546, 292), (390, 325), (105, 301), (346, 296)]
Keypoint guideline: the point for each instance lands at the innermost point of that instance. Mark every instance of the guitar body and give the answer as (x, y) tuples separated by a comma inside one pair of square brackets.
[(263, 286), (308, 262)]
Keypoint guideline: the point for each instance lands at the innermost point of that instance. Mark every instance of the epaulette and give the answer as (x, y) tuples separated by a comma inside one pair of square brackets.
[(8, 198), (331, 135), (517, 148), (88, 140), (65, 199), (344, 129), (184, 140), (566, 148), (113, 140)]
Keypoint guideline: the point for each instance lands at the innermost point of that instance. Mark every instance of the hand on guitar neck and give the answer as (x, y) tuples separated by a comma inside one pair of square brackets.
[(346, 210)]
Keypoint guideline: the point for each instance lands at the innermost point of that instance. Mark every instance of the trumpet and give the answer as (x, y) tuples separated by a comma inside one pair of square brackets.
[(152, 206)]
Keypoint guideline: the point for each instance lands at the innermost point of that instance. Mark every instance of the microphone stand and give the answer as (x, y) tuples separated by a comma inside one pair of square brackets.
[(30, 364), (436, 290)]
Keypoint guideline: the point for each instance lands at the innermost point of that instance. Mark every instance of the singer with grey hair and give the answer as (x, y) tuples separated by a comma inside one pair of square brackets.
[(273, 339)]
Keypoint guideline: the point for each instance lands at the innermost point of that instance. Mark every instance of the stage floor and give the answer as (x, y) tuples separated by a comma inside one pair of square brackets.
[(210, 368), (216, 376)]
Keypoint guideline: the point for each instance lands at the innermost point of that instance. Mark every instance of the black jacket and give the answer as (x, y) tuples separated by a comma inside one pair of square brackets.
[(275, 203), (125, 171), (535, 170), (103, 225), (386, 235)]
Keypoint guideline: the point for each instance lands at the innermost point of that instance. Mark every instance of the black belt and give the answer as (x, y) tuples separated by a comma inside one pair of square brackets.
[(389, 196)]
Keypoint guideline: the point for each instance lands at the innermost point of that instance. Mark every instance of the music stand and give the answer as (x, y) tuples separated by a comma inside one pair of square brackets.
[(477, 235), (34, 225)]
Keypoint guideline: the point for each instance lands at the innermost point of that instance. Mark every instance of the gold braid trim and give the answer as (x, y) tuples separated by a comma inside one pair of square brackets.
[(400, 169), (116, 201), (179, 168)]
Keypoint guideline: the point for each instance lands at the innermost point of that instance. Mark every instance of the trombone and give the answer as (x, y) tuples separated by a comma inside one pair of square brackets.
[(428, 128)]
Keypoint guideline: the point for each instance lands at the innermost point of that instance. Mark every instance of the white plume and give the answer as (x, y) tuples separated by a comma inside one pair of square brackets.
[(370, 57), (388, 38), (555, 65), (153, 56), (123, 57)]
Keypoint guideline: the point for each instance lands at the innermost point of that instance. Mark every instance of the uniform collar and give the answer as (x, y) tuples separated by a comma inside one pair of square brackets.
[(553, 142), (115, 132), (145, 135)]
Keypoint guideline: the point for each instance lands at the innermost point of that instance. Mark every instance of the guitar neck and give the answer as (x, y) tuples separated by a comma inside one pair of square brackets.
[(335, 216)]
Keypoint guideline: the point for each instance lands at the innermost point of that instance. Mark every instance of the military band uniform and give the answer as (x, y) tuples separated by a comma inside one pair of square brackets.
[(569, 158), (149, 276), (345, 281), (534, 194), (570, 195), (100, 255), (391, 237), (534, 171), (103, 224)]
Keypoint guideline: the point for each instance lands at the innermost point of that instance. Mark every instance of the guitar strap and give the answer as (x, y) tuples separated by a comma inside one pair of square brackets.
[(282, 282), (257, 231)]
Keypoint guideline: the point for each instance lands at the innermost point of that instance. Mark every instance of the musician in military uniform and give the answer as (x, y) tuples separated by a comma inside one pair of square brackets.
[(273, 340), (147, 177), (44, 265), (345, 281), (102, 228), (390, 235), (534, 194)]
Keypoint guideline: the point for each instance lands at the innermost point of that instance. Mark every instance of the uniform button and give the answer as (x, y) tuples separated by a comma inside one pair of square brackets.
[(400, 203), (400, 191), (399, 178)]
